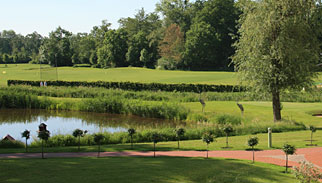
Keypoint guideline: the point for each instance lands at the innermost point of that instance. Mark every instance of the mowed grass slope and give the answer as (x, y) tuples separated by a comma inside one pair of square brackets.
[(261, 112), (31, 72), (140, 170)]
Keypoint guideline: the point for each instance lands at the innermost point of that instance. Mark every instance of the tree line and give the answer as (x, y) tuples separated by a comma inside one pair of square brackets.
[(194, 35)]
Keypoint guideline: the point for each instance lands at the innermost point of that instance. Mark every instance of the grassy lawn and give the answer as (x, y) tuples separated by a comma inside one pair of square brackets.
[(261, 112), (31, 72), (299, 138), (130, 169)]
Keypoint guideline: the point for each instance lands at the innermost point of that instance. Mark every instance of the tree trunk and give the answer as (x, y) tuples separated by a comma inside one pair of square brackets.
[(78, 143), (154, 149), (276, 105), (42, 149), (178, 144), (253, 154), (131, 142), (311, 138), (207, 151), (26, 146), (99, 149), (286, 162), (227, 140)]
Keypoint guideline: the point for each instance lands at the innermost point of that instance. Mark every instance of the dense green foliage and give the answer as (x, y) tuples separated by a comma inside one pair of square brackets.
[(84, 92), (278, 48), (202, 40), (117, 105), (197, 88)]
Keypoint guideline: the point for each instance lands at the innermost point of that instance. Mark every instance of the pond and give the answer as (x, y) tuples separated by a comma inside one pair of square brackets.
[(15, 121)]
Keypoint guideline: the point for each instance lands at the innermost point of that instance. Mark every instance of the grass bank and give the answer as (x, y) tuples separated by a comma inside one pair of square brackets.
[(300, 139), (141, 170)]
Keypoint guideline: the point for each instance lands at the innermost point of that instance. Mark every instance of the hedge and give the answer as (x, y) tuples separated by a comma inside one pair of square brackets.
[(134, 86)]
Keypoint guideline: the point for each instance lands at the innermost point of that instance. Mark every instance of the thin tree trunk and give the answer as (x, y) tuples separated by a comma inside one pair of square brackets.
[(311, 138), (99, 149), (178, 144), (276, 105), (227, 140), (286, 162), (131, 142), (207, 151), (154, 149), (26, 146), (42, 149), (78, 143), (253, 154)]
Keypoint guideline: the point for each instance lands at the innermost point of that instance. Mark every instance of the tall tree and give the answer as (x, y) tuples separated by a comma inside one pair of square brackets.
[(278, 49), (57, 49), (209, 40), (172, 46), (114, 49), (176, 12)]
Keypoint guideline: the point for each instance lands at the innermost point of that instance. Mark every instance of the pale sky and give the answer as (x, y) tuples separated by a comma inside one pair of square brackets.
[(44, 16)]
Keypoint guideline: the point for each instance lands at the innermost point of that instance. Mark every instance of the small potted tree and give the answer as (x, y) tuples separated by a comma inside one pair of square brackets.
[(98, 139), (131, 132), (208, 138), (44, 136), (179, 133), (228, 129), (313, 130), (155, 138), (253, 141), (26, 134), (288, 150), (78, 134)]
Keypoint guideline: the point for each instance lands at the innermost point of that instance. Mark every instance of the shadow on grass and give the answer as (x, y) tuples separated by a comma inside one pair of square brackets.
[(139, 169)]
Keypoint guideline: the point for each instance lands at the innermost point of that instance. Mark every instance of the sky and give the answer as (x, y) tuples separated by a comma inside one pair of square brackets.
[(44, 16)]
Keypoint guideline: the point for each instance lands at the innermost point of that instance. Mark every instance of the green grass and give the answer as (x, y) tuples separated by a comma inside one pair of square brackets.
[(141, 170), (261, 113), (300, 139), (31, 72)]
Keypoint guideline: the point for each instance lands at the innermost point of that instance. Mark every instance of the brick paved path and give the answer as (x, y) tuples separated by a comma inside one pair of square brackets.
[(313, 155)]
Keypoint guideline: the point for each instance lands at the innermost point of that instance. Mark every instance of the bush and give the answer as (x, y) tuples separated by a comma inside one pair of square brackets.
[(11, 144), (197, 88), (228, 119)]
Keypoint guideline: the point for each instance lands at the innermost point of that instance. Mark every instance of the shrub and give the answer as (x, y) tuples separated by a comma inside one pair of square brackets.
[(11, 144), (228, 119)]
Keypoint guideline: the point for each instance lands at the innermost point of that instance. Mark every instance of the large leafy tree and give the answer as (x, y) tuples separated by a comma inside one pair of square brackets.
[(278, 48), (209, 40), (143, 33), (57, 49), (172, 46), (114, 49)]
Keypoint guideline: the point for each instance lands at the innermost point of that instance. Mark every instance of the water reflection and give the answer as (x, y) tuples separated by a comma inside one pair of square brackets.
[(15, 121)]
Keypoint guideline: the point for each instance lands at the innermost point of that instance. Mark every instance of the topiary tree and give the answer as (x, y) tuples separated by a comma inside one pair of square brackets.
[(131, 132), (253, 141), (288, 150), (97, 139), (208, 138), (155, 138), (179, 133), (26, 134), (79, 133), (44, 136), (227, 129), (313, 130)]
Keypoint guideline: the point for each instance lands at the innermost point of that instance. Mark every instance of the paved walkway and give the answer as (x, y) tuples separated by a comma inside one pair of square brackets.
[(277, 157)]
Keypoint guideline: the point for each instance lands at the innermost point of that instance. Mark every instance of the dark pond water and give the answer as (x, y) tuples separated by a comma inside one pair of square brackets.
[(15, 121)]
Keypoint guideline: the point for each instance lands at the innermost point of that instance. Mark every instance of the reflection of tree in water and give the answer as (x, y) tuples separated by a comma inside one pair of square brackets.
[(100, 119)]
